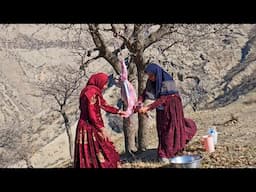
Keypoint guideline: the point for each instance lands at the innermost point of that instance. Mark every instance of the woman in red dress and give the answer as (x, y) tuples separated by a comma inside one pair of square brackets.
[(174, 130), (93, 148)]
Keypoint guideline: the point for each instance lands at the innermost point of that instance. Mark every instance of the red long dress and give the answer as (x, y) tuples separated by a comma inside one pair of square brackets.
[(91, 149), (174, 130)]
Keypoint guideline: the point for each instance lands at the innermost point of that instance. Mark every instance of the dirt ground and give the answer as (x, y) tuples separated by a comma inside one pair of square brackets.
[(236, 146)]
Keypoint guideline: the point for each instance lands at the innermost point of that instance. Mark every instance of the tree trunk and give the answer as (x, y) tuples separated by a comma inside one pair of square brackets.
[(130, 127), (143, 121), (69, 134), (70, 140)]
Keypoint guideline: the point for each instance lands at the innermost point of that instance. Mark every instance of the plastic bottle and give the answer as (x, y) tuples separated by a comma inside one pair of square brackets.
[(212, 131)]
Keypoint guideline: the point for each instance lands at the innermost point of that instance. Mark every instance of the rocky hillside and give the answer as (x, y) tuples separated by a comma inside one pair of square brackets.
[(210, 73)]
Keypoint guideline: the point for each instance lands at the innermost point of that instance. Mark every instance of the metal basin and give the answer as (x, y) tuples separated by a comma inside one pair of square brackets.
[(186, 161)]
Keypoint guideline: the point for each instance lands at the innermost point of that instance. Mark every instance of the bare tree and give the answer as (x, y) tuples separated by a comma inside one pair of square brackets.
[(15, 144), (137, 39), (7, 143), (62, 86), (111, 39)]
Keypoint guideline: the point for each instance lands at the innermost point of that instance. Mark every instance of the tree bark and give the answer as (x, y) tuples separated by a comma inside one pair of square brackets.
[(130, 127), (69, 134), (143, 121)]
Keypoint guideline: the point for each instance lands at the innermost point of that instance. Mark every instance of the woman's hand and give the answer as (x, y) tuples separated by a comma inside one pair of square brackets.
[(138, 103), (137, 106), (104, 133), (121, 113), (143, 110)]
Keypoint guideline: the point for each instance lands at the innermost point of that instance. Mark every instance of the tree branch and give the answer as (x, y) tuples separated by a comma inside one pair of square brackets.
[(103, 50), (97, 37), (168, 47), (119, 35), (157, 35)]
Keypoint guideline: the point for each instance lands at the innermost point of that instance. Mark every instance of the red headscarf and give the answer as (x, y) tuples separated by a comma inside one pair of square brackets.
[(98, 80), (95, 85)]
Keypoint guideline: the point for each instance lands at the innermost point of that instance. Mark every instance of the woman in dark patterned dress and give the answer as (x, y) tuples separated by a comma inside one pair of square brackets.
[(174, 130)]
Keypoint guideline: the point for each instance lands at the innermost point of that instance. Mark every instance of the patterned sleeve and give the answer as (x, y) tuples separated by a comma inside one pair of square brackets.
[(106, 107), (142, 96), (157, 102)]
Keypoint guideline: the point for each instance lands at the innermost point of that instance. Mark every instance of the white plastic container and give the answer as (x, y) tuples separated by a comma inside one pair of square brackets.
[(212, 131)]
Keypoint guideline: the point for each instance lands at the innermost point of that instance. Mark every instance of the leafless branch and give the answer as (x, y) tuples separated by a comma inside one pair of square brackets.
[(97, 37), (104, 52), (116, 33), (86, 63), (64, 26), (171, 45), (157, 35)]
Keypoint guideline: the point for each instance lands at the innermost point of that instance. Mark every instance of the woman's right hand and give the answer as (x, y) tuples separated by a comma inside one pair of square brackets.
[(104, 134), (121, 113)]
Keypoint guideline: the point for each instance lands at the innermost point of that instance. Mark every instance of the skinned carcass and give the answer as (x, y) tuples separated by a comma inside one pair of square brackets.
[(128, 93)]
